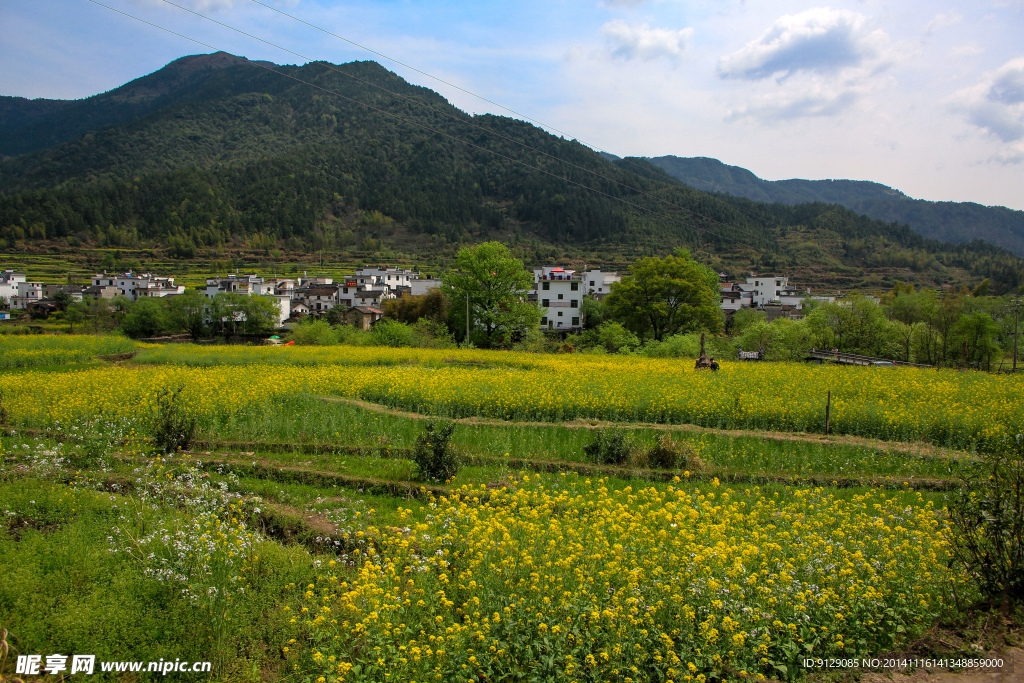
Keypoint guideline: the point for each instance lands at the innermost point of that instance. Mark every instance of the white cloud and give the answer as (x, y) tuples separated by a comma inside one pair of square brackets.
[(623, 3), (941, 21), (816, 99), (996, 106), (818, 63), (820, 40), (640, 41)]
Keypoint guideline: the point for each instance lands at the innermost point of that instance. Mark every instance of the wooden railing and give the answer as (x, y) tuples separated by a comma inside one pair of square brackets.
[(855, 359)]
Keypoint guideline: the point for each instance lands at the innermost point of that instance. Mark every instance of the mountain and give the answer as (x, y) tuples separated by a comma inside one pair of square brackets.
[(215, 154), (953, 222)]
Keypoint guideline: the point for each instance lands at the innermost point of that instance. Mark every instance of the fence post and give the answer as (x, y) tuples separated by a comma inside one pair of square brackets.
[(828, 411)]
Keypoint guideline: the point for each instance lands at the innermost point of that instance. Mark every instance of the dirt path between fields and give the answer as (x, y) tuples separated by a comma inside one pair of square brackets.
[(918, 448)]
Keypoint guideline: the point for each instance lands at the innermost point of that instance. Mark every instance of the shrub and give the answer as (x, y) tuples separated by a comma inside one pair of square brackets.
[(669, 454), (175, 427), (435, 458), (988, 517), (610, 447), (315, 333), (392, 333)]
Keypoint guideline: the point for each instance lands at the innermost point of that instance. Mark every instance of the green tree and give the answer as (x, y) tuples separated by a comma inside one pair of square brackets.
[(146, 317), (497, 286), (61, 299), (190, 311), (977, 332), (668, 296), (76, 312)]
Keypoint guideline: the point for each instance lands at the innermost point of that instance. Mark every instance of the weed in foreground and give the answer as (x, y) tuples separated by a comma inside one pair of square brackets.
[(433, 453), (175, 427), (988, 518), (610, 447)]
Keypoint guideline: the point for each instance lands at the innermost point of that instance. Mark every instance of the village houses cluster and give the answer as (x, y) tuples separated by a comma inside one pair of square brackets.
[(558, 291)]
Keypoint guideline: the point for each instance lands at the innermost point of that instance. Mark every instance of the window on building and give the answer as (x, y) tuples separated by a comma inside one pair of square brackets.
[(545, 285), (591, 283), (575, 286), (544, 321), (559, 314), (545, 303), (559, 297), (575, 322), (574, 303)]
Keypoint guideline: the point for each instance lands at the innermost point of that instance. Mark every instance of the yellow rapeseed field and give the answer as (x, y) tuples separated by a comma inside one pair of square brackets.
[(962, 409), (575, 581)]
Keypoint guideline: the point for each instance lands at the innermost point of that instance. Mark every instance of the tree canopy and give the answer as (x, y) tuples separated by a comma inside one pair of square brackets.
[(497, 285), (666, 296)]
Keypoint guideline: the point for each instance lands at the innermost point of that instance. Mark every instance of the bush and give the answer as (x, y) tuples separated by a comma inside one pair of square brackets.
[(392, 333), (314, 332), (617, 339), (610, 447), (175, 428), (435, 458), (669, 454), (988, 518), (536, 341)]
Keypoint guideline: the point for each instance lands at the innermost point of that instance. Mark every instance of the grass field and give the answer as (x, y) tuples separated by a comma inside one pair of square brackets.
[(295, 543)]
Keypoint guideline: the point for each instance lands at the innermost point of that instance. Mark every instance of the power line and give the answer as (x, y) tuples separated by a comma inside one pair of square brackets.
[(467, 122), (452, 85), (420, 102), (424, 126)]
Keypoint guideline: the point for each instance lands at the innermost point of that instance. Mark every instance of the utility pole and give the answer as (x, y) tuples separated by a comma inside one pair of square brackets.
[(1016, 319)]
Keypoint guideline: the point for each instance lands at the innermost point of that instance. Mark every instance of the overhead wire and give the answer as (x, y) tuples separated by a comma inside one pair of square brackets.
[(541, 124), (422, 126), (448, 114)]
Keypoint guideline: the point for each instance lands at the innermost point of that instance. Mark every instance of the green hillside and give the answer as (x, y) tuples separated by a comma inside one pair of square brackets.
[(953, 222), (216, 154)]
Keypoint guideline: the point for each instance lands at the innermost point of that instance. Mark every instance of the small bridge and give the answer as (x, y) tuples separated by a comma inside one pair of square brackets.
[(822, 355)]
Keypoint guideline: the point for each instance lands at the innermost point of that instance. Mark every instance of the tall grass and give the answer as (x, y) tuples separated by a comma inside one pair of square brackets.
[(27, 351)]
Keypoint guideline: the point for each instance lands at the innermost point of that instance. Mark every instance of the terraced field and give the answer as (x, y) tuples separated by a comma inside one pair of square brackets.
[(293, 539)]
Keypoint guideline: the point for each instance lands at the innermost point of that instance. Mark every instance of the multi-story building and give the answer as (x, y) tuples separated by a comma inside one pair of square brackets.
[(9, 285), (760, 291), (598, 283), (29, 293), (559, 293), (250, 284), (137, 286)]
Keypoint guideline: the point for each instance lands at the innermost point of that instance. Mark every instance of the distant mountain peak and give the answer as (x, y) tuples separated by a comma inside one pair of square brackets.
[(954, 222)]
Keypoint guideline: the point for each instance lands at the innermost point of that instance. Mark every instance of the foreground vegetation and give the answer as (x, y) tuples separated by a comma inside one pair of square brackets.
[(228, 386), (296, 543)]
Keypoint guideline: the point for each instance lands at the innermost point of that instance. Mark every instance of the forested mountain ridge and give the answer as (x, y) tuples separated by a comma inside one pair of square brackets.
[(232, 153), (953, 222)]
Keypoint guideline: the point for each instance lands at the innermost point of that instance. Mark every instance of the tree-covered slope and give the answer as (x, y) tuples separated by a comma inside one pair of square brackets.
[(953, 222), (218, 152)]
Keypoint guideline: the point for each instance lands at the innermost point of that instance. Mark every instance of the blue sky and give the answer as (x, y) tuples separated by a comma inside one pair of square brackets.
[(927, 97)]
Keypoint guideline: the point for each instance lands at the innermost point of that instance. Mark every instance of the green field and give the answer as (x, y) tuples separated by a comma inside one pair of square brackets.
[(293, 541)]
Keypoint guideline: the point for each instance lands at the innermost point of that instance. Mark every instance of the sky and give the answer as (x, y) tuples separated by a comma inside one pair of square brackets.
[(924, 96)]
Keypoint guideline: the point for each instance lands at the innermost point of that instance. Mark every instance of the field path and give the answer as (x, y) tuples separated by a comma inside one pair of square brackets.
[(917, 448)]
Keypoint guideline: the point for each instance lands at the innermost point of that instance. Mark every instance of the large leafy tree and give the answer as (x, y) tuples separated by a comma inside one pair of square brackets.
[(497, 285), (666, 296)]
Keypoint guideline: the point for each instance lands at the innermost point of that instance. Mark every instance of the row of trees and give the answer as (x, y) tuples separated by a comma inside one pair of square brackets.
[(961, 328), (227, 314), (655, 309)]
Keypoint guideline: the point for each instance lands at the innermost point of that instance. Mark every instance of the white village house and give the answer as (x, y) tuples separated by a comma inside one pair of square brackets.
[(560, 291)]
